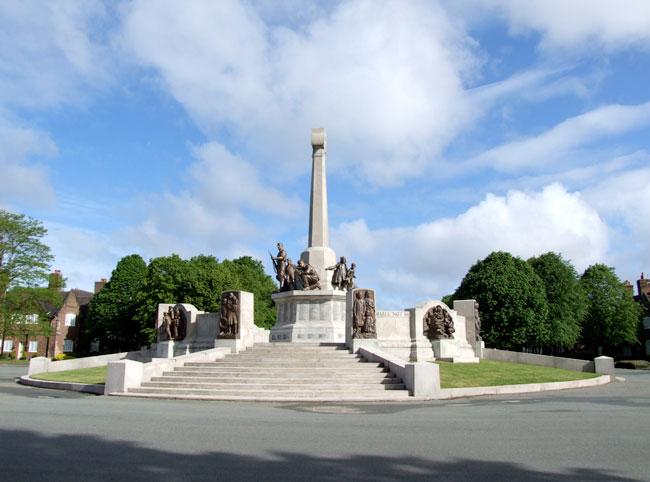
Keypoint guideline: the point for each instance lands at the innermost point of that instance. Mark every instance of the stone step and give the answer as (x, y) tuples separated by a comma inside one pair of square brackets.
[(296, 356), (254, 378), (269, 394), (357, 387), (274, 370), (280, 373), (284, 364)]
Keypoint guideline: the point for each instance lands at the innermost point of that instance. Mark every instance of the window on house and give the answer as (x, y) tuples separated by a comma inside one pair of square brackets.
[(33, 346), (9, 345), (70, 319), (33, 319), (68, 346)]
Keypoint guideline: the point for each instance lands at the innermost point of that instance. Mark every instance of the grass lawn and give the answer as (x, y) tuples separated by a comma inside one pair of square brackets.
[(489, 373), (14, 362), (83, 375)]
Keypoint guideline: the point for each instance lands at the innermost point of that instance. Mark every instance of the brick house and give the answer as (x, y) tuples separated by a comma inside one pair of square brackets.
[(67, 322)]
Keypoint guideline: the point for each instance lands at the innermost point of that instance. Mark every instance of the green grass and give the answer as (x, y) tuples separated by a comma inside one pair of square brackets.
[(83, 375), (489, 373)]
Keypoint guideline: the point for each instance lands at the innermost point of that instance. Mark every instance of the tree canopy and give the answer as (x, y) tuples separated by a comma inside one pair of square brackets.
[(111, 311), (24, 263), (512, 301), (199, 281), (612, 316), (566, 300)]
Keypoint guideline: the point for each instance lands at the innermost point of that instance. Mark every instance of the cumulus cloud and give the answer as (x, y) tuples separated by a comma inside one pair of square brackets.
[(579, 24), (384, 78), (427, 261), (214, 210), (47, 51), (23, 179)]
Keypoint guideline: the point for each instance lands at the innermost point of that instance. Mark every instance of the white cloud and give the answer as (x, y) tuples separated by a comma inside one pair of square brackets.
[(214, 211), (47, 54), (580, 24), (384, 78), (555, 145), (411, 264), (21, 179)]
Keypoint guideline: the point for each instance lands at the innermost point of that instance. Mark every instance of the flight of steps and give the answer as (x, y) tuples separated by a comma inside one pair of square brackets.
[(279, 372)]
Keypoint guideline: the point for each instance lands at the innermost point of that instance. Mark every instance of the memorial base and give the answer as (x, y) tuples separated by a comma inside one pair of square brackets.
[(316, 316)]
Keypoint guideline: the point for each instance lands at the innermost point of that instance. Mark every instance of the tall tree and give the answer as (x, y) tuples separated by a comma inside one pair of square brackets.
[(566, 300), (612, 317), (512, 301), (111, 314), (24, 259)]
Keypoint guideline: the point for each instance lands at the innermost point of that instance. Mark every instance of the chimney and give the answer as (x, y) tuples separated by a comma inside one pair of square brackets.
[(99, 285), (643, 285), (56, 280), (628, 287)]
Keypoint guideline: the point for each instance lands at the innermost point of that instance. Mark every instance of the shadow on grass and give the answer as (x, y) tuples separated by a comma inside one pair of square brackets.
[(31, 456)]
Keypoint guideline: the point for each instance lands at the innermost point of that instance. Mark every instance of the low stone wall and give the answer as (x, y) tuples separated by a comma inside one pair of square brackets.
[(539, 360), (44, 365), (421, 379)]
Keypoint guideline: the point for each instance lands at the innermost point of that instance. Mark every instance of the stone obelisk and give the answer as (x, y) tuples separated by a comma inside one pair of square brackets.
[(318, 253), (309, 316)]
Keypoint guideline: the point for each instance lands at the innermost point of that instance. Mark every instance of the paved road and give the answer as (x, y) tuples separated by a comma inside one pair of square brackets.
[(595, 434)]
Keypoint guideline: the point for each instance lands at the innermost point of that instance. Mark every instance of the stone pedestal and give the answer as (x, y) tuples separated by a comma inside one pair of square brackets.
[(316, 316), (245, 336)]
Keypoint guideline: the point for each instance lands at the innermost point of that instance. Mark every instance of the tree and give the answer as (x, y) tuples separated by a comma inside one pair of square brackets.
[(28, 313), (512, 301), (566, 300), (24, 260), (612, 316), (111, 313)]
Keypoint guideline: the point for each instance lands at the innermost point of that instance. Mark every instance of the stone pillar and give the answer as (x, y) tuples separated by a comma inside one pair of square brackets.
[(318, 254), (245, 333)]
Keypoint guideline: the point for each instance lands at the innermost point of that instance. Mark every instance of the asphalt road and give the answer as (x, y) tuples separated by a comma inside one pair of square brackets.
[(595, 434)]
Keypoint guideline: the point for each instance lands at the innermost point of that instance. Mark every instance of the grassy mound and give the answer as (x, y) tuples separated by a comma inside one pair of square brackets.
[(83, 375), (489, 373)]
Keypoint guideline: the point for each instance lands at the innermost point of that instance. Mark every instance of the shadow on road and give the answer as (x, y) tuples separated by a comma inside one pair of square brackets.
[(30, 456)]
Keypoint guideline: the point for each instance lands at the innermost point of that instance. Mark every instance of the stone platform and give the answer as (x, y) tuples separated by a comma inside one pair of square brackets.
[(309, 317)]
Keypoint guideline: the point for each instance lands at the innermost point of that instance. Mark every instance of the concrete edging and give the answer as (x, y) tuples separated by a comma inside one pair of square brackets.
[(92, 388), (448, 393)]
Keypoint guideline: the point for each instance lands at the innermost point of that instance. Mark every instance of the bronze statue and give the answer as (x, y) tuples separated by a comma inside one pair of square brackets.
[(477, 322), (438, 323), (229, 315), (279, 263), (340, 273), (290, 282), (174, 323), (363, 315), (348, 283), (308, 276)]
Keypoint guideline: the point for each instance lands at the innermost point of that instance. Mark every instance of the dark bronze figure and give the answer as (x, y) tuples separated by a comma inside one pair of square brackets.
[(174, 323), (348, 283), (229, 315), (308, 276), (290, 281), (280, 263), (340, 273), (438, 323), (363, 315)]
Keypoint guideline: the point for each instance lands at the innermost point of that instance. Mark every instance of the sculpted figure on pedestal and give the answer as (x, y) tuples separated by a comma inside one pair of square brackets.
[(438, 323), (477, 322), (279, 263), (229, 316), (308, 275), (340, 273), (363, 315)]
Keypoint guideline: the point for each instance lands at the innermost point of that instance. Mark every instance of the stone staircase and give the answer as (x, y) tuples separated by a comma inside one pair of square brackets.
[(279, 372)]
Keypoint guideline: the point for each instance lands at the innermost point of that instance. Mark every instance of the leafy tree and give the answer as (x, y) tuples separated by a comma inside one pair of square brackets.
[(24, 260), (612, 316), (511, 298), (28, 311), (111, 311), (567, 302), (200, 281)]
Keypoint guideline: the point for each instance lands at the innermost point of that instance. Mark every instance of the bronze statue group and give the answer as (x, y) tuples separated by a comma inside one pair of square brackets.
[(303, 276)]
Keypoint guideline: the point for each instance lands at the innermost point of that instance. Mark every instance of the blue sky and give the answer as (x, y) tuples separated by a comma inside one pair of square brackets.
[(455, 128)]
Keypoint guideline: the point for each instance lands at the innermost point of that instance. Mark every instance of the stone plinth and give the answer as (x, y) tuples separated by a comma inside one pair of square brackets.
[(316, 316)]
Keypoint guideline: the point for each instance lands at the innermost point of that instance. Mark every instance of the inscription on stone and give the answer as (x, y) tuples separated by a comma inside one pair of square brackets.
[(392, 314)]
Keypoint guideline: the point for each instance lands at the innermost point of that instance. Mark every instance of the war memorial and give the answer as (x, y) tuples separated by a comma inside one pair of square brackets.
[(330, 342)]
